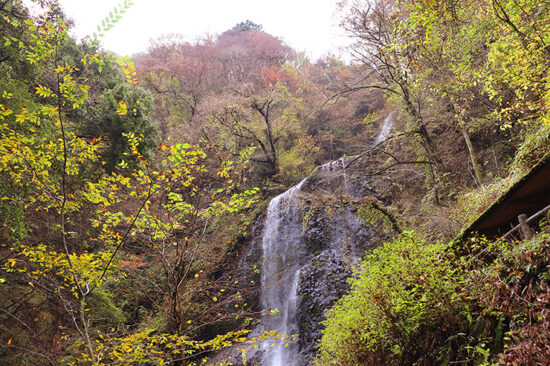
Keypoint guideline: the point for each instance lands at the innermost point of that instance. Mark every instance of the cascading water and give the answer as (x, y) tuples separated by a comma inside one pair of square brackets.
[(283, 250), (343, 163), (334, 169), (285, 259), (385, 130)]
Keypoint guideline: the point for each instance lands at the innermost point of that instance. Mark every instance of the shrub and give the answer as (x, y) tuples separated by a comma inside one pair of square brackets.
[(401, 288), (471, 303)]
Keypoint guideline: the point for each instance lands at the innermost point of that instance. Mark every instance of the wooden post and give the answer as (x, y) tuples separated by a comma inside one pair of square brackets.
[(524, 227), (529, 220)]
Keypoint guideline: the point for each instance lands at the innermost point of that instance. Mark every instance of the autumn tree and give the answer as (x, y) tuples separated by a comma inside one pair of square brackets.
[(450, 42), (430, 58), (518, 60), (386, 63), (238, 80), (60, 256), (243, 55), (181, 75)]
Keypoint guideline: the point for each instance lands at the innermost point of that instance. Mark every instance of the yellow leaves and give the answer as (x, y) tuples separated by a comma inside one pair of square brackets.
[(12, 262), (44, 92), (23, 115), (48, 111), (4, 111), (223, 173), (9, 341), (130, 73), (122, 109), (129, 69), (59, 69)]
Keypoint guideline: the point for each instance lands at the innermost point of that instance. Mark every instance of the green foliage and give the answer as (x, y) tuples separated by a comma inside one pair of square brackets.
[(415, 302), (124, 109), (400, 288)]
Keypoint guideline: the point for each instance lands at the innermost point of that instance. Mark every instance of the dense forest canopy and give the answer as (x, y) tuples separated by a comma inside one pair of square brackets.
[(128, 185)]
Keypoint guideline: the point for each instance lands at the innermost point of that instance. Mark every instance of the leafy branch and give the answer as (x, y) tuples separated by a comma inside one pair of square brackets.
[(111, 19)]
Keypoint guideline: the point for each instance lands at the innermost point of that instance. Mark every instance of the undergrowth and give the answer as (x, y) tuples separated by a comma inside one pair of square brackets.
[(415, 303)]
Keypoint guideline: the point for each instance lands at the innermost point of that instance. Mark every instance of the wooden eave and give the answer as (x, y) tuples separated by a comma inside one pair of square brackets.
[(527, 196)]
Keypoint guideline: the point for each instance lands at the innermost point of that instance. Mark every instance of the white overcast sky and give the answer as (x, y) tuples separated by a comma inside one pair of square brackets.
[(305, 25)]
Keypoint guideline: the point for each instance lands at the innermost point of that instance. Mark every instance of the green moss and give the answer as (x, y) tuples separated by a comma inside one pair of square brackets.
[(308, 213)]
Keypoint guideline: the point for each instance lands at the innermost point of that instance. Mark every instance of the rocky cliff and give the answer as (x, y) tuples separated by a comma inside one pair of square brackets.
[(312, 237)]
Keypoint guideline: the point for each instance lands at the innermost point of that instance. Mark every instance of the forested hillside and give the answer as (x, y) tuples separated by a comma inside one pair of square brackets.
[(133, 189)]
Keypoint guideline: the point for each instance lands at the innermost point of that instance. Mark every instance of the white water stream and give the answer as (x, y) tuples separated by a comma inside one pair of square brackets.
[(386, 129), (282, 248)]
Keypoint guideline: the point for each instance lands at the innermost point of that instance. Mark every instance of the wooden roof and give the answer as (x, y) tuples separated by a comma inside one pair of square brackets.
[(528, 196)]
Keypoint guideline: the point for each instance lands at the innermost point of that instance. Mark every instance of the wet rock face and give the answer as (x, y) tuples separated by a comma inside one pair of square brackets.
[(342, 177), (317, 231), (322, 282), (338, 229), (334, 238)]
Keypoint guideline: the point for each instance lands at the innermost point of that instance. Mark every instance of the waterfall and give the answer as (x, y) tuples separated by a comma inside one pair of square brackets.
[(283, 252), (285, 257), (343, 163), (386, 129), (333, 169)]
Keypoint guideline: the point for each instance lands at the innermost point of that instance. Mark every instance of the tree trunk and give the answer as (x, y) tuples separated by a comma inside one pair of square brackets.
[(473, 156), (85, 328)]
